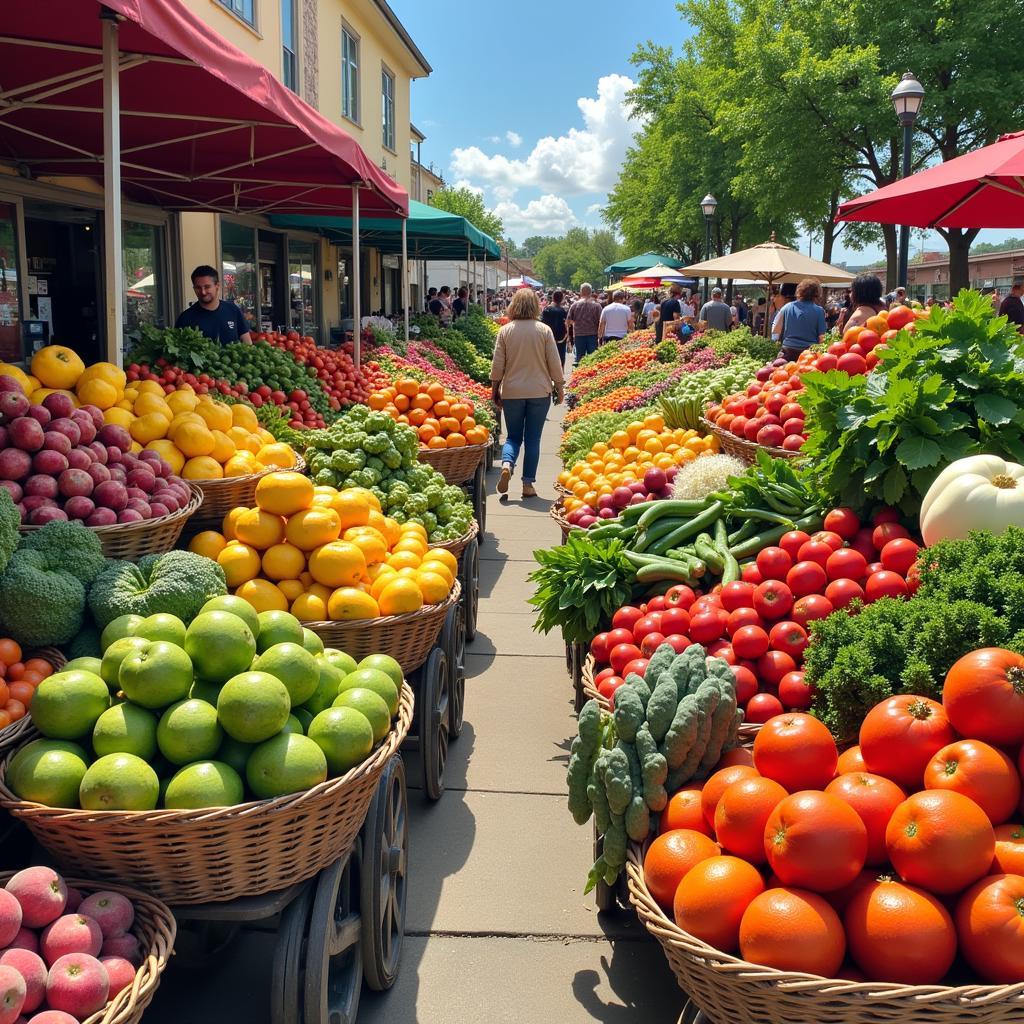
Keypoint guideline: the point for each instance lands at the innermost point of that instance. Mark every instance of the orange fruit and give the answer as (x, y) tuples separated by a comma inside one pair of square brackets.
[(385, 575), (240, 563), (437, 442), (456, 440), (438, 569), (407, 386), (276, 454), (404, 559), (193, 439), (223, 447), (434, 588), (793, 930), (227, 526), (259, 529), (202, 467), (670, 857), (684, 811), (311, 527), (445, 557), (291, 589), (216, 414), (208, 543), (284, 562), (1009, 856), (400, 596), (263, 596), (10, 651), (351, 603), (368, 495), (337, 564), (712, 898), (411, 542), (742, 813), (284, 493), (351, 507), (97, 392), (309, 608), (148, 428), (243, 416), (373, 545)]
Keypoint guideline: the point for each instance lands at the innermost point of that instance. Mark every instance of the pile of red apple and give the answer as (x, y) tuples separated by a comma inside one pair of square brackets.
[(335, 369), (59, 463), (656, 484), (63, 956), (759, 624)]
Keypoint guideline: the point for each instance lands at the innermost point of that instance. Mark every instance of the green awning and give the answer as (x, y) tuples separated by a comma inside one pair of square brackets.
[(432, 234), (635, 263)]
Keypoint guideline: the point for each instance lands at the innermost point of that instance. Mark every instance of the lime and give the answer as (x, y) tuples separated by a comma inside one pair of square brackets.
[(162, 626), (66, 705), (220, 645), (370, 704), (386, 664), (253, 706), (294, 666), (293, 725), (236, 606), (119, 782), (344, 735), (48, 772), (110, 666), (373, 679), (326, 688), (87, 664), (122, 626), (204, 784), (285, 764), (189, 731), (304, 716), (277, 628), (125, 729), (235, 753), (203, 689), (311, 641), (156, 676), (340, 660)]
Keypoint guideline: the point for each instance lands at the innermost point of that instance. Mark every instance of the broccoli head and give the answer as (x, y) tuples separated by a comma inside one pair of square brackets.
[(71, 547), (10, 520), (40, 602)]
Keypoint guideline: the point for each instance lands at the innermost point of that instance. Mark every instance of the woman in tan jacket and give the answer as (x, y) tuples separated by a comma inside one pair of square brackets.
[(524, 371)]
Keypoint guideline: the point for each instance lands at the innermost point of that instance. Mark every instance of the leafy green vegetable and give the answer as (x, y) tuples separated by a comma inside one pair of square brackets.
[(742, 343), (770, 484)]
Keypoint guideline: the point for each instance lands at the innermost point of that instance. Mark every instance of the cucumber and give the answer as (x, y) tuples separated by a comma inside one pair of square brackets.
[(708, 553), (672, 507), (689, 529)]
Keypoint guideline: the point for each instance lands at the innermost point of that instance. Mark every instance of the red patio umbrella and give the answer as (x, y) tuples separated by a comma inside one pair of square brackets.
[(983, 189)]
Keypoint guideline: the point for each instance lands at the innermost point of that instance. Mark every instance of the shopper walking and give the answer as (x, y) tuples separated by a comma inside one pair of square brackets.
[(583, 320), (800, 323), (616, 320), (671, 309), (524, 371), (716, 314), (554, 316)]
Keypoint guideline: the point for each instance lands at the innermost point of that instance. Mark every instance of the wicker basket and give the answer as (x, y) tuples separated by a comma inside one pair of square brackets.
[(17, 732), (557, 512), (150, 537), (407, 638), (155, 928), (728, 989), (456, 465), (741, 448), (588, 686), (457, 546), (221, 496), (215, 854)]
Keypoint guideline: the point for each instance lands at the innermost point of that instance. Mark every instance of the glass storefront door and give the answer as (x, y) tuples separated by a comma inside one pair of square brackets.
[(302, 278), (238, 268), (10, 300), (144, 285)]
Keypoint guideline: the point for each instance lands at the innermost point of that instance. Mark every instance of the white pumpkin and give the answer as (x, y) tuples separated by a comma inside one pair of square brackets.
[(981, 492)]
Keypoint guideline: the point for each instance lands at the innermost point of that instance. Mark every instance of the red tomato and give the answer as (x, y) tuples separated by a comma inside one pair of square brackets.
[(638, 666), (607, 687), (792, 542), (656, 604), (742, 617), (772, 599), (678, 642), (899, 555), (806, 578), (761, 707), (599, 648), (841, 592), (746, 683), (722, 649), (881, 535), (885, 515), (605, 673), (626, 617), (874, 567), (650, 643), (862, 543), (846, 564), (843, 521), (737, 595), (773, 665), (675, 620), (706, 603), (913, 579), (708, 626), (794, 693), (885, 584), (621, 655), (815, 551), (810, 608), (774, 563), (750, 642), (618, 636), (829, 537), (789, 637), (751, 574), (680, 595), (648, 624)]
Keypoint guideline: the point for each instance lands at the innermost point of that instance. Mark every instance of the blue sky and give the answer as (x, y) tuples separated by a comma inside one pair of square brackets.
[(529, 107)]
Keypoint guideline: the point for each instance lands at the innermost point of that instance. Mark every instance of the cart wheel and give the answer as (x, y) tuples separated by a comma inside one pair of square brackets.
[(432, 705), (469, 578), (604, 894), (333, 975), (286, 976), (480, 498), (692, 1015), (453, 642), (382, 877)]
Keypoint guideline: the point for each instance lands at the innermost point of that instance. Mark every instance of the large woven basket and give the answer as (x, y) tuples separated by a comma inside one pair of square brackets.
[(456, 465), (589, 688), (221, 496), (457, 546), (216, 854), (407, 638), (154, 927), (557, 512), (150, 537), (741, 448), (17, 732), (729, 990)]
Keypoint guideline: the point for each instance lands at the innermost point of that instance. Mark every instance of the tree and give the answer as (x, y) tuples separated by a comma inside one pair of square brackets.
[(579, 255), (1009, 243), (465, 203)]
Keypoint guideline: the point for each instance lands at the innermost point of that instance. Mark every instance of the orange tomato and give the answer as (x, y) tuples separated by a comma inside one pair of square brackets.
[(10, 651)]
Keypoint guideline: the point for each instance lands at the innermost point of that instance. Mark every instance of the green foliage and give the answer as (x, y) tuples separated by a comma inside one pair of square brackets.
[(952, 388), (465, 203), (579, 256), (71, 547), (186, 347), (742, 343), (10, 520), (667, 352), (40, 602), (477, 328)]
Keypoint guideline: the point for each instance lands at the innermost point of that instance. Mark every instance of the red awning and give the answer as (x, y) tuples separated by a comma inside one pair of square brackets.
[(203, 126)]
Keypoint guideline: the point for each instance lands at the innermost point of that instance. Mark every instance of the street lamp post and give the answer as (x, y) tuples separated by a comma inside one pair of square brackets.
[(708, 205), (906, 98)]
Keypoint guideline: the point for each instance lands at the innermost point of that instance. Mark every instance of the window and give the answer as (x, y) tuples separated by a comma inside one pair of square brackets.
[(387, 100), (289, 48), (238, 267), (245, 9), (142, 266), (302, 314), (349, 75)]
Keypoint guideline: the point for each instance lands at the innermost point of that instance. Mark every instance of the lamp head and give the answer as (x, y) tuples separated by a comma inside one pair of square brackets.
[(708, 204), (907, 98)]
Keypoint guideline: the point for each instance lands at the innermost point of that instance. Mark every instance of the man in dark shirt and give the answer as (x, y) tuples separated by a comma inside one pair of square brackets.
[(461, 303), (1012, 307), (554, 316), (220, 321), (671, 309)]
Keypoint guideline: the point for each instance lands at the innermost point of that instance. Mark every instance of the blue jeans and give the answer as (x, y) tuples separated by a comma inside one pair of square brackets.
[(524, 421), (585, 344)]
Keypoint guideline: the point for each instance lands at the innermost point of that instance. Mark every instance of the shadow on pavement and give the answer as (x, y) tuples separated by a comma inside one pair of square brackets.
[(640, 979)]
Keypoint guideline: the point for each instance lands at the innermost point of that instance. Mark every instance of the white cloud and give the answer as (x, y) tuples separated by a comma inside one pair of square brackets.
[(583, 160), (513, 138), (594, 209), (549, 215), (463, 183)]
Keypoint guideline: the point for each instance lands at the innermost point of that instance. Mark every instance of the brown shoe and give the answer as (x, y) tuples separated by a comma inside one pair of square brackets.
[(506, 475), (528, 491)]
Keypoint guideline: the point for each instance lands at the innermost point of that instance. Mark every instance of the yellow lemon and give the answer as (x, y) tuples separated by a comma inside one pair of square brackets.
[(413, 544), (265, 435), (119, 416), (223, 446), (337, 564), (239, 435), (10, 370), (98, 392), (284, 493), (284, 562), (239, 465), (194, 440), (309, 608), (184, 417), (351, 603), (240, 562), (253, 443), (277, 454), (127, 404), (150, 387), (291, 589), (311, 527), (352, 507), (227, 526), (400, 596), (435, 588), (263, 596), (57, 366), (442, 570), (202, 467), (148, 403), (386, 576), (260, 529), (415, 528), (109, 372), (216, 414), (444, 556), (243, 416), (369, 495), (208, 543), (181, 401), (135, 448), (149, 427), (404, 559), (168, 451), (391, 530)]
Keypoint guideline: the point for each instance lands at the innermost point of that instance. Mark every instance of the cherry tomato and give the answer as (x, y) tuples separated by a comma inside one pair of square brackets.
[(608, 686), (885, 515), (742, 617), (656, 604), (846, 564), (680, 595), (913, 579), (815, 551), (773, 600), (746, 683), (842, 591), (626, 617), (806, 578), (899, 555), (829, 537), (599, 648), (751, 574), (723, 649), (810, 608), (774, 563), (675, 620), (874, 567), (648, 624), (650, 643), (791, 542), (750, 642), (738, 594), (678, 642), (794, 693), (638, 666), (843, 521), (761, 707), (885, 584), (605, 673), (862, 543), (881, 535), (773, 665), (708, 626), (789, 637), (618, 636), (621, 655)]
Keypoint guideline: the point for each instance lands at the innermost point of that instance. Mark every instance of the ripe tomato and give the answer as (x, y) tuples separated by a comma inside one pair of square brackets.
[(978, 771), (621, 655), (806, 578), (706, 602), (885, 515), (988, 923), (618, 636), (656, 604), (772, 599), (811, 607), (626, 617), (842, 591), (983, 696), (899, 736), (680, 595), (797, 751), (773, 563), (648, 624), (794, 692), (874, 567), (675, 620), (678, 642), (885, 584), (829, 537), (751, 574), (862, 542), (899, 555), (792, 542), (773, 665), (708, 626), (742, 617), (881, 535), (738, 594), (607, 688), (638, 666), (843, 521), (788, 636), (599, 648), (746, 684), (875, 799), (815, 551), (846, 564), (605, 673), (722, 649), (750, 642), (650, 643), (762, 707)]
